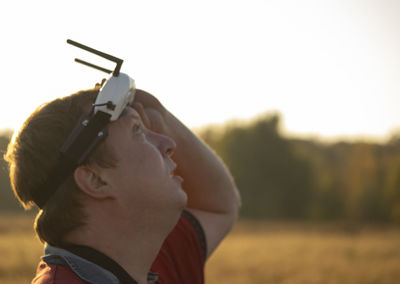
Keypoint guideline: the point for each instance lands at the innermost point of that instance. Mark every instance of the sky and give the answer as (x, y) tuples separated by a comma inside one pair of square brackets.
[(330, 68)]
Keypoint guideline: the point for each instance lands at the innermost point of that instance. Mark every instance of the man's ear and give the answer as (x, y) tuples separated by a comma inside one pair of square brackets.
[(89, 180)]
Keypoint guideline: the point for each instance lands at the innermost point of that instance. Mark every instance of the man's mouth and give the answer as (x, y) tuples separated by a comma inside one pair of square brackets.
[(179, 178), (172, 172), (175, 176)]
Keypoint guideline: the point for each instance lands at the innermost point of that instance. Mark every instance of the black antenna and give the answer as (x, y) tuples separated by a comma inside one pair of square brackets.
[(99, 53), (108, 71)]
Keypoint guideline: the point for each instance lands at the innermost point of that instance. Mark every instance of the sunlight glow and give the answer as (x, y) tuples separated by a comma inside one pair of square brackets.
[(332, 68)]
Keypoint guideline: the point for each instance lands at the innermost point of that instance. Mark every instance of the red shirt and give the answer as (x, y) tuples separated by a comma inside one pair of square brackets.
[(180, 260), (182, 256)]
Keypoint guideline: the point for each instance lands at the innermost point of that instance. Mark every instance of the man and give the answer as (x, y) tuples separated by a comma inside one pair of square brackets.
[(149, 205)]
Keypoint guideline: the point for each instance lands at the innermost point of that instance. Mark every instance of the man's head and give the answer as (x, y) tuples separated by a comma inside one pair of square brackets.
[(131, 168), (35, 152), (142, 180)]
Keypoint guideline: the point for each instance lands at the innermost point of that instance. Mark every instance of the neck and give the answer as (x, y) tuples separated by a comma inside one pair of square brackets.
[(133, 244)]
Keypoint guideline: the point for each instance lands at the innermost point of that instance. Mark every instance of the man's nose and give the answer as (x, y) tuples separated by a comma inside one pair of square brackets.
[(165, 144)]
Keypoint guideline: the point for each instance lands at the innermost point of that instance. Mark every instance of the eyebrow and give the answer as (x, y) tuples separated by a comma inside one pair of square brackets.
[(133, 115)]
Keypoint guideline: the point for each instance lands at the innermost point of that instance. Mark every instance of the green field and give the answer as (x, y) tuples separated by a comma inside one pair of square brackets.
[(253, 253)]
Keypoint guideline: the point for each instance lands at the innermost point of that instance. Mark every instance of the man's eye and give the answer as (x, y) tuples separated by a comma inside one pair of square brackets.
[(137, 129)]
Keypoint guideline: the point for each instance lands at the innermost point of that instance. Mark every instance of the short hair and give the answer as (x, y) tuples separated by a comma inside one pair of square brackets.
[(33, 154)]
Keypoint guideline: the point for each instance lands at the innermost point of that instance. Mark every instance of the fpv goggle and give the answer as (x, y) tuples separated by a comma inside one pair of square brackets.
[(116, 93)]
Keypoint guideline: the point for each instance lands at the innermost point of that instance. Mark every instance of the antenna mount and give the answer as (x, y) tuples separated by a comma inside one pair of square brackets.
[(118, 61)]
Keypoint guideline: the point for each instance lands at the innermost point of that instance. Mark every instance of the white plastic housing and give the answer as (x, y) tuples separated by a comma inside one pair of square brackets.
[(120, 91)]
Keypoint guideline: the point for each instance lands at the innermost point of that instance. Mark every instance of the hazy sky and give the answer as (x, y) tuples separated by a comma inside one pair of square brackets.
[(331, 68)]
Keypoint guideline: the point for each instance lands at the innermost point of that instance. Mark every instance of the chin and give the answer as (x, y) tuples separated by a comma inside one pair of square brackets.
[(184, 198)]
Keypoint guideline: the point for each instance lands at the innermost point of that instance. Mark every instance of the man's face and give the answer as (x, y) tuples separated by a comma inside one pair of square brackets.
[(143, 176)]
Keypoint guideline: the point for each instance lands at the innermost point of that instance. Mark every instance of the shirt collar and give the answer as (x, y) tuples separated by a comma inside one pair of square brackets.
[(88, 268)]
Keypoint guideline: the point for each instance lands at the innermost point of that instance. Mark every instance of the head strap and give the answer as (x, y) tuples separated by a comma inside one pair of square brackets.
[(117, 92)]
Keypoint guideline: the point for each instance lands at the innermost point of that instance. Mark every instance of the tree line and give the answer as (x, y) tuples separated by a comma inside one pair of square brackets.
[(283, 178), (303, 179)]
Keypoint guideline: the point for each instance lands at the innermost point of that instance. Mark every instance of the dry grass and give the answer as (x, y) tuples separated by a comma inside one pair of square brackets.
[(274, 253), (252, 253), (19, 249)]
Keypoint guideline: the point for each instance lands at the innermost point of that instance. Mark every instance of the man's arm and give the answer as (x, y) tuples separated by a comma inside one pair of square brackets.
[(212, 195)]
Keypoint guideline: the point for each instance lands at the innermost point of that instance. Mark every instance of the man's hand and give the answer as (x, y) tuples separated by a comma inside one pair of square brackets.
[(153, 113)]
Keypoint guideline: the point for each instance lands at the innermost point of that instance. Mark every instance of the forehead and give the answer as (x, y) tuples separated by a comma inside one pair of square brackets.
[(118, 129), (127, 117), (128, 113)]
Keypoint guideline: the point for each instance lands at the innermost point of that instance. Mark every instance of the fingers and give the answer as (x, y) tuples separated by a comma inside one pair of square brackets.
[(140, 109), (151, 110), (148, 100)]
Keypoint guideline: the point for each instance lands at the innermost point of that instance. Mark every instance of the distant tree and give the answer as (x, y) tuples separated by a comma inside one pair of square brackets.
[(273, 182), (391, 177), (327, 200), (288, 178)]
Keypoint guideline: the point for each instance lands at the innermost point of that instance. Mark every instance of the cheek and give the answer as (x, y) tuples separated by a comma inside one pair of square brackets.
[(149, 161), (146, 166), (140, 164)]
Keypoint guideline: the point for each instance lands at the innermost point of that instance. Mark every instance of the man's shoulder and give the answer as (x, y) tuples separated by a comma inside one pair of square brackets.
[(187, 237), (49, 274), (182, 256)]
